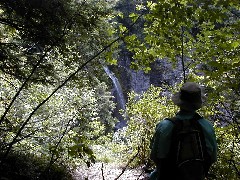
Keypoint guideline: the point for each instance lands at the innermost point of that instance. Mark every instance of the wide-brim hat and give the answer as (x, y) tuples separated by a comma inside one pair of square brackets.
[(190, 97)]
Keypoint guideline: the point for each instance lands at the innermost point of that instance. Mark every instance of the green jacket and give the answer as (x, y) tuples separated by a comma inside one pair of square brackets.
[(161, 142)]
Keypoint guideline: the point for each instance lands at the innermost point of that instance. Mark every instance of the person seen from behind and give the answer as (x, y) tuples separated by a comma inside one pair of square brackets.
[(184, 147)]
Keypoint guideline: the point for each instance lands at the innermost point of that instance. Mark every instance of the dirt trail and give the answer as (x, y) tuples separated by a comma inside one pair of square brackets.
[(101, 171)]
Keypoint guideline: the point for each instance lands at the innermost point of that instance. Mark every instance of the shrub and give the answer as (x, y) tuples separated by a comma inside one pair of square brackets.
[(146, 110), (29, 167)]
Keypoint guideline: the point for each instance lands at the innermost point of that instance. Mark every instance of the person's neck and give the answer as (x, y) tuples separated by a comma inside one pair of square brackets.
[(183, 111)]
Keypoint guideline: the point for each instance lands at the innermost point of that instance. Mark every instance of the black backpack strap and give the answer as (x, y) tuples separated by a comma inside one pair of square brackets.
[(196, 117), (178, 124), (175, 120)]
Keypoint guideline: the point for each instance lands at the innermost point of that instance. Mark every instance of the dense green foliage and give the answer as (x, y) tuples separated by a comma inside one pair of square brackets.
[(28, 167), (45, 32), (203, 38), (146, 110), (55, 105), (204, 31)]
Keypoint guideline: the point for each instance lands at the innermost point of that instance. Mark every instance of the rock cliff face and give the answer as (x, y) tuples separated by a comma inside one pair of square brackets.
[(162, 72), (140, 81)]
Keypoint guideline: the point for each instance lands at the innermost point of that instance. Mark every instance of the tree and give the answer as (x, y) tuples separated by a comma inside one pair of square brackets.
[(44, 45), (202, 36), (192, 29)]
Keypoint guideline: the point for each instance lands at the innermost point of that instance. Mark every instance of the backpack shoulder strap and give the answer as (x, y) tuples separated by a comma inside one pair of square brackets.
[(194, 121), (178, 124), (197, 117), (175, 119)]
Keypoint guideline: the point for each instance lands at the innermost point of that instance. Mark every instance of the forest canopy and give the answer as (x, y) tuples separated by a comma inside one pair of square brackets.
[(52, 98), (56, 102), (202, 38)]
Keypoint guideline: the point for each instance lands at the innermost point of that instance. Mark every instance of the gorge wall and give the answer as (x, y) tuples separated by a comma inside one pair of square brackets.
[(162, 71)]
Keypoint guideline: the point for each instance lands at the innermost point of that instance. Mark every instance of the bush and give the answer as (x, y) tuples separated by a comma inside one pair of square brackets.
[(28, 167), (146, 110)]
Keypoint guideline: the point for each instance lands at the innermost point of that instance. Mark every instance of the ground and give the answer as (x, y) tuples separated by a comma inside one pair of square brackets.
[(103, 171)]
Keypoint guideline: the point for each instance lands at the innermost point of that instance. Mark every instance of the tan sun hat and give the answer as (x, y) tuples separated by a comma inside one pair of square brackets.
[(190, 97)]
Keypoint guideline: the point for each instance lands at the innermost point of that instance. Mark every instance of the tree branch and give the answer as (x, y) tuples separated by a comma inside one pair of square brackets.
[(131, 160), (102, 172), (59, 87), (31, 74), (23, 85), (10, 23), (183, 65), (58, 143)]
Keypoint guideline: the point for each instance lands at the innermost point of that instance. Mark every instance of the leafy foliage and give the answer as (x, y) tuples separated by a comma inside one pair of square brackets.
[(28, 166), (44, 44), (34, 32), (75, 111), (204, 31), (144, 112), (155, 105), (203, 36)]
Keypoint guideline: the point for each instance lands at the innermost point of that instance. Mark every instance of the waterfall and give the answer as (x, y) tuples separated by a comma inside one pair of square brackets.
[(117, 86), (120, 99)]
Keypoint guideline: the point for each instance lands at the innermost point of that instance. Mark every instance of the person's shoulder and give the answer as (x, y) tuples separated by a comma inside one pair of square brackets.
[(164, 128), (204, 121), (165, 124), (206, 124)]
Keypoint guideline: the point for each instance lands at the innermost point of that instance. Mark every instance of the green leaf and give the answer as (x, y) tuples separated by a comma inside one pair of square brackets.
[(235, 44), (120, 14), (133, 16), (113, 61), (122, 28), (147, 69)]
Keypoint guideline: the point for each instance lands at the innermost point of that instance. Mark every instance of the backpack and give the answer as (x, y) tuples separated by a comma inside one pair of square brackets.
[(188, 152)]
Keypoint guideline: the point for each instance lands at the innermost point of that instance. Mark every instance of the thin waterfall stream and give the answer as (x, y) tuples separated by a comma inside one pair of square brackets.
[(120, 97), (117, 86)]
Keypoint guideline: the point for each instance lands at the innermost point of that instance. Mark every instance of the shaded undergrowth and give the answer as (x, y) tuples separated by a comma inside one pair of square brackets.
[(19, 166)]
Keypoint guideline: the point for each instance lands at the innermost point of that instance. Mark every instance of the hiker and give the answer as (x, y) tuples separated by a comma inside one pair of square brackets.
[(166, 151)]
